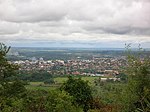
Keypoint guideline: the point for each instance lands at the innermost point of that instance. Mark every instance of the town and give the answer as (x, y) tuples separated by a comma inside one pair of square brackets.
[(95, 67)]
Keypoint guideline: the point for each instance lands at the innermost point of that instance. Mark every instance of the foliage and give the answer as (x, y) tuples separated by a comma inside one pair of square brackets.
[(11, 104), (138, 83), (13, 89), (137, 94), (35, 76), (80, 90), (60, 101), (123, 77), (52, 101), (49, 81), (6, 69), (10, 91)]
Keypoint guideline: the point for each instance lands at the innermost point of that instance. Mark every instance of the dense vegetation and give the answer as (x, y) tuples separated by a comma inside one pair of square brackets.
[(36, 76), (80, 90), (132, 94)]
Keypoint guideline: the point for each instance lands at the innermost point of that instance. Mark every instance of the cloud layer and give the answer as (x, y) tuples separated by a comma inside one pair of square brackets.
[(85, 22)]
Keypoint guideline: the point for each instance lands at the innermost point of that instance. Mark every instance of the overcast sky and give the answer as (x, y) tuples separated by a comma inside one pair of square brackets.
[(75, 23)]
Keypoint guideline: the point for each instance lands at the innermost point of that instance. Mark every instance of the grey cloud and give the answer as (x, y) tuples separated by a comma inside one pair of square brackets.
[(32, 11), (7, 28), (75, 19), (124, 30), (133, 17)]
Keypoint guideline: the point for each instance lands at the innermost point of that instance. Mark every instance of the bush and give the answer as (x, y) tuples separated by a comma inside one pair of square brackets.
[(49, 81), (53, 101)]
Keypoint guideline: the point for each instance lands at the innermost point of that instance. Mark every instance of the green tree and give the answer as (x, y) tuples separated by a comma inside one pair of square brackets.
[(80, 90), (138, 89), (52, 101), (10, 91), (6, 69), (49, 81), (60, 101)]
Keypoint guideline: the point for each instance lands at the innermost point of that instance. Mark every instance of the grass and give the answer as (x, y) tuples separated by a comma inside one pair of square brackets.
[(41, 86), (85, 78), (31, 87), (59, 81), (36, 83), (90, 79)]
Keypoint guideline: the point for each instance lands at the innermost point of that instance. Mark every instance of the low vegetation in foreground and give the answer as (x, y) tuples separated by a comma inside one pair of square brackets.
[(74, 94)]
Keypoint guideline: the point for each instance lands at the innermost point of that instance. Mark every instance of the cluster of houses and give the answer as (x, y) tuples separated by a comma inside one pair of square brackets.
[(93, 67)]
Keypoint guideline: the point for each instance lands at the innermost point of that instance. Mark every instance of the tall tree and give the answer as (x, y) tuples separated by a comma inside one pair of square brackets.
[(80, 90), (10, 91), (6, 69), (138, 89)]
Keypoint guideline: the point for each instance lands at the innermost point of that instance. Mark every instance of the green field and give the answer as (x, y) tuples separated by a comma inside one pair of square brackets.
[(31, 87), (58, 82), (41, 86), (85, 78)]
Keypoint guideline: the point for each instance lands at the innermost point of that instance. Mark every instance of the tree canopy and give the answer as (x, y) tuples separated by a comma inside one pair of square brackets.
[(80, 90)]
